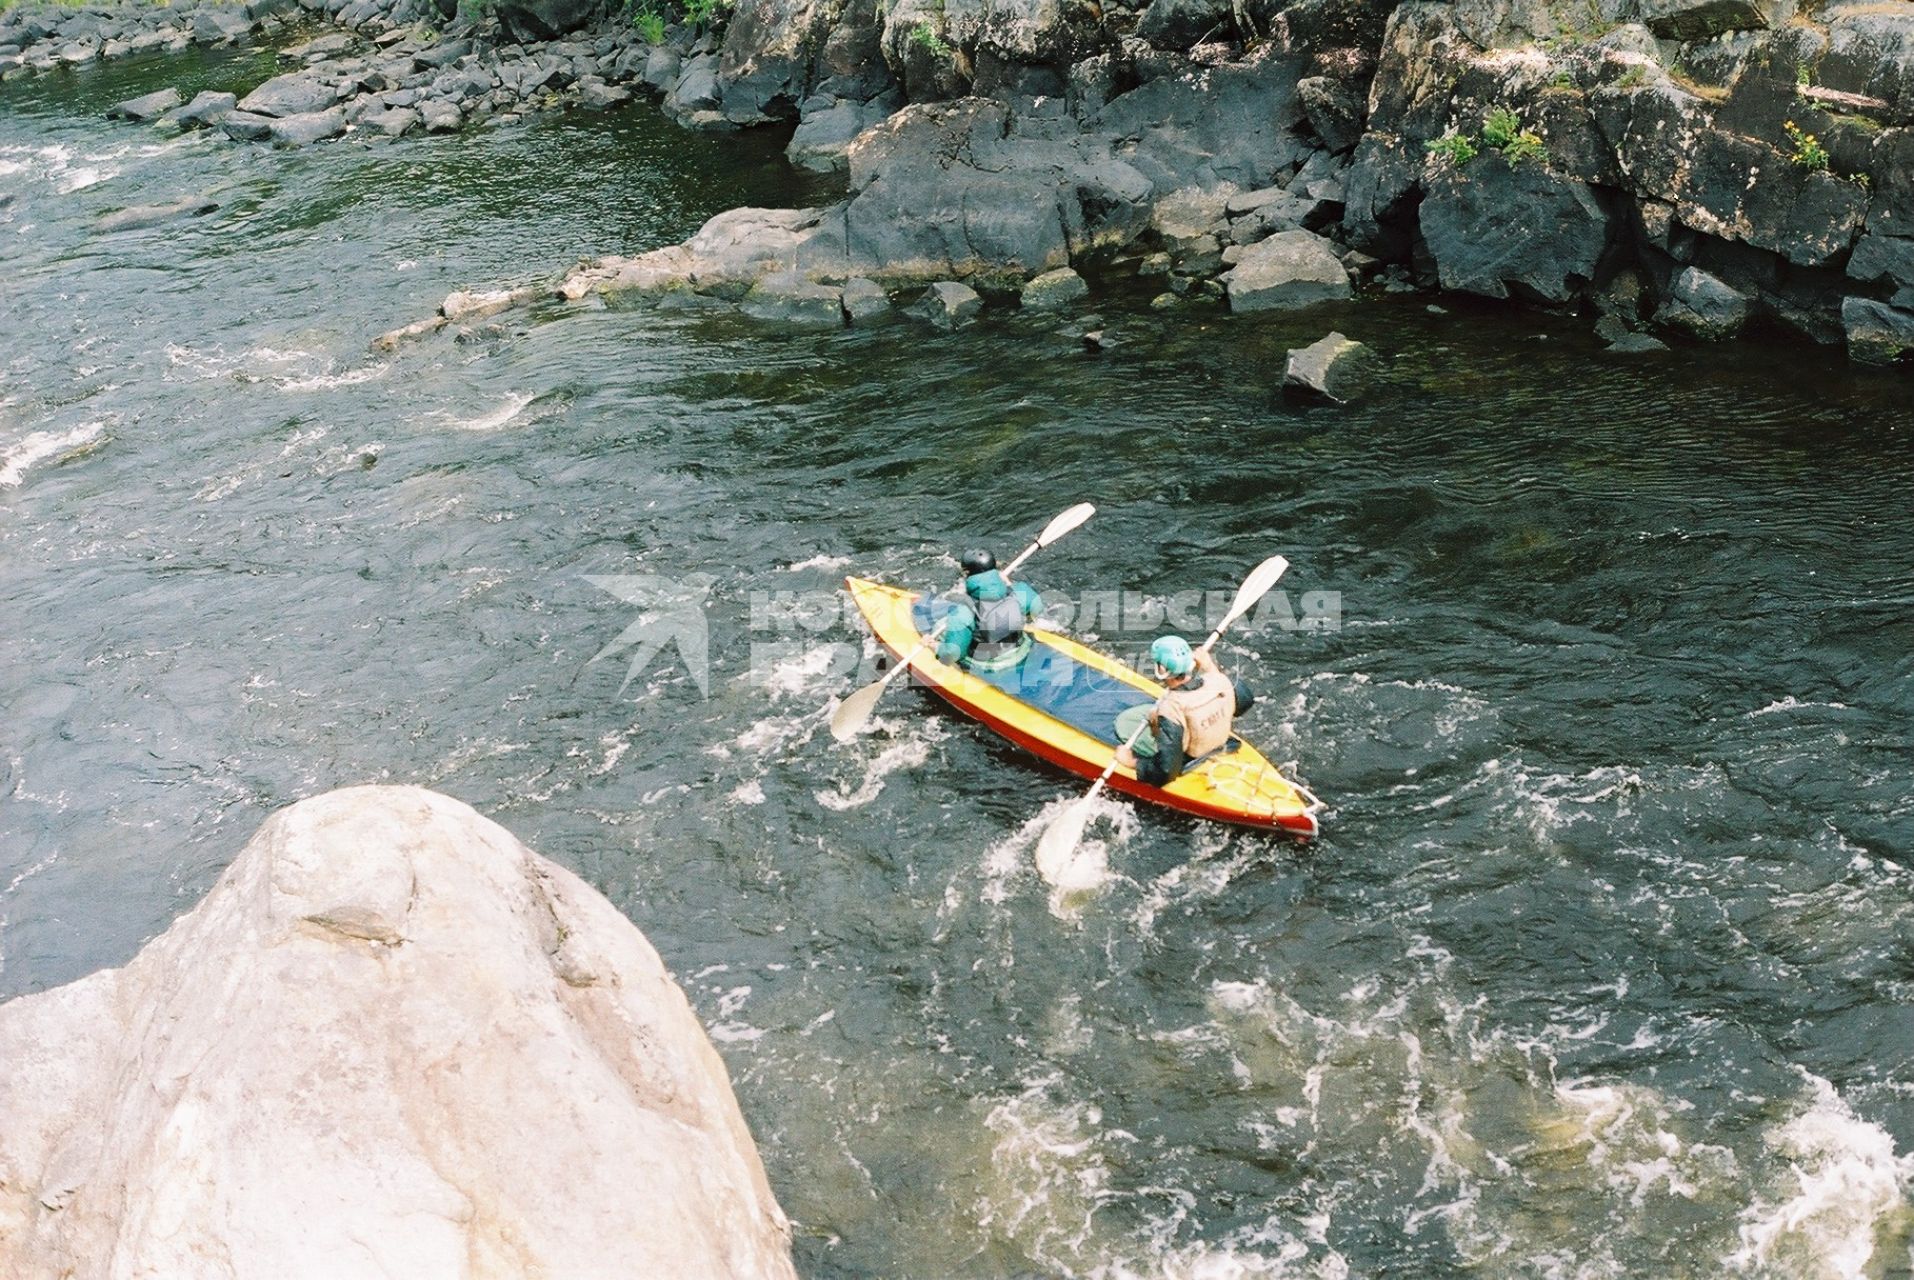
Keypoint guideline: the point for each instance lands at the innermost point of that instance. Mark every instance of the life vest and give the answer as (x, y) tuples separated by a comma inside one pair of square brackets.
[(999, 627), (1203, 710)]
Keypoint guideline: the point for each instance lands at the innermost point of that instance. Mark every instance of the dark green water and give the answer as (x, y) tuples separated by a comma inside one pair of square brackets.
[(1602, 968)]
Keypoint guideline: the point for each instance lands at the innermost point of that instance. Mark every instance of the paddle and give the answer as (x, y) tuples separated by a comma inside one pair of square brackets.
[(854, 712), (1059, 839)]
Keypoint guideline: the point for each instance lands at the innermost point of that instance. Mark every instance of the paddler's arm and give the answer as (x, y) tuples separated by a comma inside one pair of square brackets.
[(1027, 597), (957, 635)]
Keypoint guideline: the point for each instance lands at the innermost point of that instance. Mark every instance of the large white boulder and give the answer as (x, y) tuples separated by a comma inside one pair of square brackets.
[(392, 1041)]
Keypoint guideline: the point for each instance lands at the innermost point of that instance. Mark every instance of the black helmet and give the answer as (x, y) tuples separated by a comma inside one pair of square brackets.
[(976, 562)]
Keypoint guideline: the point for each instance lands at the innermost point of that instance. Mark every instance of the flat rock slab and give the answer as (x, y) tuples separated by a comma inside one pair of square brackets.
[(146, 107), (391, 1041), (300, 93), (1290, 269), (206, 108), (311, 127)]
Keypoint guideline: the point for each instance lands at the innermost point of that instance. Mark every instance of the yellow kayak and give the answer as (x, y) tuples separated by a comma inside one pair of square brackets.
[(1061, 704)]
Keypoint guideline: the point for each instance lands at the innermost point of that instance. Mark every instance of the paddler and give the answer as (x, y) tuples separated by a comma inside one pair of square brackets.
[(986, 627), (1191, 719)]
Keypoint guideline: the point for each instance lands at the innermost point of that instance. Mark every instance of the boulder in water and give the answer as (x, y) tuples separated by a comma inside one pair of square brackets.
[(148, 106), (1055, 289), (949, 304), (1335, 368), (391, 1041)]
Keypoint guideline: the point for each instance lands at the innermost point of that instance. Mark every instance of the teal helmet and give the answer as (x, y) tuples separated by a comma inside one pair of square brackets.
[(1172, 654)]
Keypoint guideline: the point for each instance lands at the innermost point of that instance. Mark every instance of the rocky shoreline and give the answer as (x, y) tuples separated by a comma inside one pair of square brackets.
[(1673, 167)]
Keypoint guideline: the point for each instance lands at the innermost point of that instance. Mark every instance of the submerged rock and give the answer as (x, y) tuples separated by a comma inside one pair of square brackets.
[(791, 299), (152, 215), (1290, 269), (1335, 368), (391, 1041)]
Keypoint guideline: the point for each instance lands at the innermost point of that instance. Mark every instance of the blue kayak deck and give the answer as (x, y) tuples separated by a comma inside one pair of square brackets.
[(1054, 683)]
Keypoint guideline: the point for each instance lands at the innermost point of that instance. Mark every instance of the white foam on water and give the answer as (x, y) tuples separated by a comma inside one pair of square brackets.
[(39, 446), (1079, 877), (803, 671), (1792, 703), (818, 562), (1051, 1191), (1842, 1184), (501, 416), (330, 381), (907, 753)]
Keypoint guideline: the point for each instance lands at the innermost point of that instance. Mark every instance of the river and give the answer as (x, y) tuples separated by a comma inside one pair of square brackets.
[(1603, 966)]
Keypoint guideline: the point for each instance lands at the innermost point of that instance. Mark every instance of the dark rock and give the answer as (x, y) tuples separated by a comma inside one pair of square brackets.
[(1701, 19), (1629, 344), (325, 46), (1382, 196), (441, 117), (1871, 52), (206, 108), (1876, 332), (1233, 124), (1703, 306), (1742, 189), (1333, 111), (246, 127), (949, 304), (946, 190), (1494, 228), (149, 106), (307, 128), (596, 95), (1178, 24), (791, 299), (299, 93), (393, 122), (1288, 270), (864, 301), (443, 54), (661, 68), (1335, 368), (221, 24), (528, 20), (1054, 289), (822, 142), (1883, 258), (152, 215)]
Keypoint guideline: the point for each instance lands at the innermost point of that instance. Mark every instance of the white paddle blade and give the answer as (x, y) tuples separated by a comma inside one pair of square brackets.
[(1059, 840), (1065, 523), (854, 712)]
